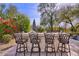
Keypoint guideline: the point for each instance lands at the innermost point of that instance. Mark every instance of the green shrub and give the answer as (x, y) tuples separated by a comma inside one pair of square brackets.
[(6, 38), (74, 33), (23, 23), (61, 29), (0, 38), (40, 29), (48, 29)]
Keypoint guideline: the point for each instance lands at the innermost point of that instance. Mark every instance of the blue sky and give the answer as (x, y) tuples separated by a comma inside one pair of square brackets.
[(29, 9)]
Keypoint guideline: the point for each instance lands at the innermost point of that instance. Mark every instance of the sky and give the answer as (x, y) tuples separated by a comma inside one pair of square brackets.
[(29, 9)]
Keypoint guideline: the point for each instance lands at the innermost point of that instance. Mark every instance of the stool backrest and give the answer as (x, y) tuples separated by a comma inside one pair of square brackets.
[(18, 37), (34, 38), (64, 38), (49, 38), (25, 36)]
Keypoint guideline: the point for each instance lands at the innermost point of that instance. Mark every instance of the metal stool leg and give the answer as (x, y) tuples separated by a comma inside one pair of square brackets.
[(31, 50), (24, 50), (26, 47), (58, 47), (39, 49), (69, 49), (64, 47), (46, 49), (16, 50), (54, 50), (61, 48)]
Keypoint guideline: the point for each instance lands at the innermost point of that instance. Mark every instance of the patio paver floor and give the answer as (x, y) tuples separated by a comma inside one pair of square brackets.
[(74, 51)]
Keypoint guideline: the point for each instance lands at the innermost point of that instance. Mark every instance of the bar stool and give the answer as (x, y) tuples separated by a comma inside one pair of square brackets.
[(35, 43), (21, 43), (64, 40), (25, 37), (49, 43)]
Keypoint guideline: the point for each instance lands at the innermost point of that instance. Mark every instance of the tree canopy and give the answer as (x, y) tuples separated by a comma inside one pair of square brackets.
[(51, 15), (12, 13), (47, 11)]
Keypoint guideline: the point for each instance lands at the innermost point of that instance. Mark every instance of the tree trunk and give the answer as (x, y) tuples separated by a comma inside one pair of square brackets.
[(65, 26), (72, 26), (51, 24)]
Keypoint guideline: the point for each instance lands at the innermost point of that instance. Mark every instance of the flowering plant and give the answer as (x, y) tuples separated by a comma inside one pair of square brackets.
[(7, 26)]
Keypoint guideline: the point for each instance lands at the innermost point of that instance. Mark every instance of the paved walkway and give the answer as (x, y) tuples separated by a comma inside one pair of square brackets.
[(74, 51), (74, 44)]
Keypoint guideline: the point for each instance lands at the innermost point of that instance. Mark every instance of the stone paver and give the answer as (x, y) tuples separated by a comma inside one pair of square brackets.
[(74, 51), (74, 44)]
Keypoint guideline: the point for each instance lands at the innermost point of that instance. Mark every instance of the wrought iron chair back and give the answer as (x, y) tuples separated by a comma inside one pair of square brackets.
[(18, 37), (35, 41), (34, 38), (25, 36), (64, 38), (21, 40), (49, 38)]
